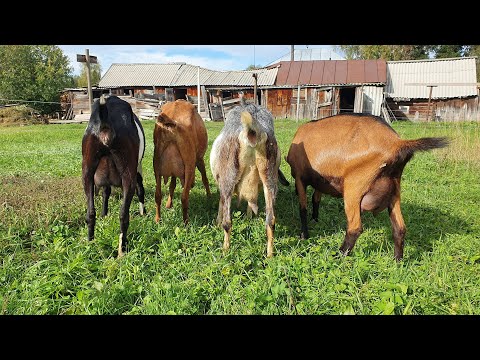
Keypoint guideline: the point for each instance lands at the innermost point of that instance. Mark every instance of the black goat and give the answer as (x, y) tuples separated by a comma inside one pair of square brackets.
[(112, 149)]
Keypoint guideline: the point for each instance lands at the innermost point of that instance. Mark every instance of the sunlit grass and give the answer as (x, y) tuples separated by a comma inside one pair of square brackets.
[(49, 267)]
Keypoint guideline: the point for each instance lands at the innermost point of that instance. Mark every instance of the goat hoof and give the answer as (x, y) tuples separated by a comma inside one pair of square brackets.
[(344, 252)]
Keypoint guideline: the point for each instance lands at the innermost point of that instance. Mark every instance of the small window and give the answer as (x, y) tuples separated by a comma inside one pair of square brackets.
[(404, 108)]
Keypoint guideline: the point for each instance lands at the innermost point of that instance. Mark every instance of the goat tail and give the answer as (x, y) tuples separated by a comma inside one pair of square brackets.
[(251, 135), (106, 132), (281, 177), (246, 119), (409, 147)]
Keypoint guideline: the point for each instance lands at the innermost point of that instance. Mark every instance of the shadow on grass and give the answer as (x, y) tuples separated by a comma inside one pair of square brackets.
[(424, 224)]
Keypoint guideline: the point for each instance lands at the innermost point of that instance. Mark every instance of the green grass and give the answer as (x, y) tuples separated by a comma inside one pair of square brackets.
[(49, 267)]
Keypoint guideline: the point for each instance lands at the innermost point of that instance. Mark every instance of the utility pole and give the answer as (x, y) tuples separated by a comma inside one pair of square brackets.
[(255, 75), (89, 82), (292, 50), (88, 60)]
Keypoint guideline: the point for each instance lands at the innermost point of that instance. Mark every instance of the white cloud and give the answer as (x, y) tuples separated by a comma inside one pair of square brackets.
[(214, 57)]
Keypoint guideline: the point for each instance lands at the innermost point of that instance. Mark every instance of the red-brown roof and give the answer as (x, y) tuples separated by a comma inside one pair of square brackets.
[(331, 72)]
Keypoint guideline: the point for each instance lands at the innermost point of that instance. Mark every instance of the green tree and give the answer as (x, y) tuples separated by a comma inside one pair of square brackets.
[(34, 73), (95, 75), (253, 67), (474, 50), (386, 52), (449, 51)]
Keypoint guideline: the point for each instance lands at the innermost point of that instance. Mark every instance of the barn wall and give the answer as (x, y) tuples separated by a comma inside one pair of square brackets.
[(80, 103), (443, 110), (371, 100), (279, 101)]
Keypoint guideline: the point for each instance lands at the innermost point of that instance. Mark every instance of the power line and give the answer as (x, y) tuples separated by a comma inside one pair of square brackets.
[(33, 101)]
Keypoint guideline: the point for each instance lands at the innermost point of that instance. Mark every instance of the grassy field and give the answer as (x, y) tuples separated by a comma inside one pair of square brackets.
[(49, 267)]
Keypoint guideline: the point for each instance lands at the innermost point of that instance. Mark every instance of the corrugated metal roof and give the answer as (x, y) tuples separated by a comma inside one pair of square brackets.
[(181, 74), (431, 71), (331, 72), (310, 54), (121, 75), (187, 76)]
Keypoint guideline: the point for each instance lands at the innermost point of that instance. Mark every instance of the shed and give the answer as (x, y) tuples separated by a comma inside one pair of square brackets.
[(319, 88), (169, 82), (442, 89), (74, 101)]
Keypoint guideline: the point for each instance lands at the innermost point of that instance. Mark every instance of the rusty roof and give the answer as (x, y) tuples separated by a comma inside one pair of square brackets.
[(331, 72)]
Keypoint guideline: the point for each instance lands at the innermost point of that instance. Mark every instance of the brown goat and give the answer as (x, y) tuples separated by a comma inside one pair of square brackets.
[(358, 157), (244, 156), (180, 142)]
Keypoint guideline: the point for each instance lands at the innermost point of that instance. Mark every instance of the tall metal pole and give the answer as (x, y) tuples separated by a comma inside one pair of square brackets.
[(90, 101), (255, 88), (198, 89), (292, 49), (298, 102)]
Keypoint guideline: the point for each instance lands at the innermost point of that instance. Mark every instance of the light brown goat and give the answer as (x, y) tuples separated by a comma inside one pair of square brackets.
[(244, 156), (180, 142), (358, 157)]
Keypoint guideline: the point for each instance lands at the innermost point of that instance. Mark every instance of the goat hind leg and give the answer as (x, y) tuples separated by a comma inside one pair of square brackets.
[(315, 204), (269, 195), (140, 191), (89, 166), (398, 226), (189, 179), (107, 190), (201, 167), (158, 196), (171, 191), (128, 192), (226, 199), (354, 222), (302, 207)]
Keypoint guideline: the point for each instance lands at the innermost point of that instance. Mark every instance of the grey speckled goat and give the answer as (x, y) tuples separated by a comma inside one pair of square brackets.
[(244, 156)]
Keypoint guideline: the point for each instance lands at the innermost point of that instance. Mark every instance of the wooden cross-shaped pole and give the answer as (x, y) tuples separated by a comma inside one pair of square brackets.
[(88, 59)]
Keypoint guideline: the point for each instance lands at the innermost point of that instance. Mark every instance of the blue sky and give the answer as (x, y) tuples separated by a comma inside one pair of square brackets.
[(214, 57)]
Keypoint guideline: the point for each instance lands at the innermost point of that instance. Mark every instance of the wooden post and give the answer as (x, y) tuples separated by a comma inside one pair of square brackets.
[(255, 75), (90, 101), (429, 99), (203, 90), (220, 100)]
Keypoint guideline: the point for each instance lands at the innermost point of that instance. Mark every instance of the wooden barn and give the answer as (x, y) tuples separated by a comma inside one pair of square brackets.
[(442, 89), (168, 82), (433, 89), (74, 101), (319, 88)]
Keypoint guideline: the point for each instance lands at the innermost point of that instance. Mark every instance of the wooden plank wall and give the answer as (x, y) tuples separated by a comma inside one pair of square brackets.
[(441, 110)]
